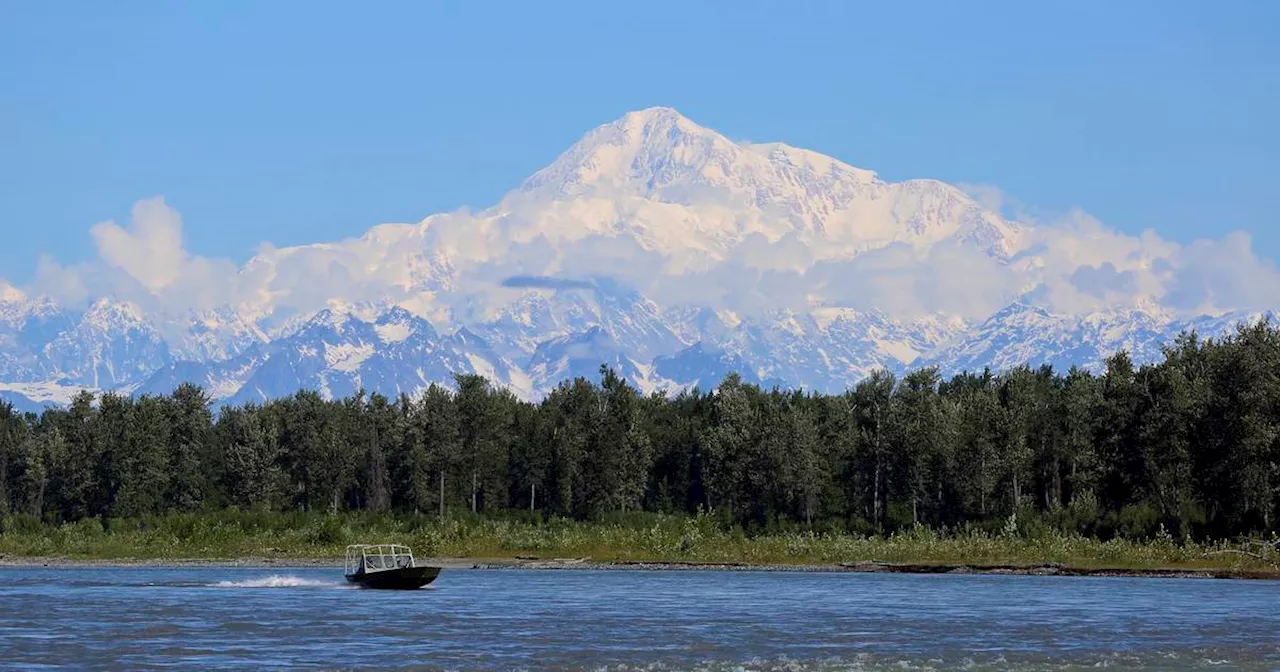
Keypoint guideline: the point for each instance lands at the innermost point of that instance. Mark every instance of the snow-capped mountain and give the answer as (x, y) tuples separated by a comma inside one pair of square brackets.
[(26, 327), (1023, 334), (654, 245), (337, 354), (110, 346), (686, 191), (213, 335), (580, 355)]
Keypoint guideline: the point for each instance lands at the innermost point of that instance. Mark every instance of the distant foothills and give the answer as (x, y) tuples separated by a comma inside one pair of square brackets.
[(654, 245), (1187, 448)]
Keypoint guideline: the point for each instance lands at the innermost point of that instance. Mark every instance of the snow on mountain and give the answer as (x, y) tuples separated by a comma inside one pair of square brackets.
[(22, 403), (221, 379), (10, 295), (214, 335), (540, 314), (580, 355), (338, 353), (687, 192), (1024, 334), (704, 366), (35, 397), (110, 346), (1220, 325), (26, 327), (653, 244), (826, 350)]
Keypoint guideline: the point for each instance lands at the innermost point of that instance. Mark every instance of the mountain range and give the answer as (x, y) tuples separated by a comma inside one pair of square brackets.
[(654, 245)]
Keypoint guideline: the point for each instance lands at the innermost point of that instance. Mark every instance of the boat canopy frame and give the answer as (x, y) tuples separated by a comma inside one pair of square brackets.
[(368, 558)]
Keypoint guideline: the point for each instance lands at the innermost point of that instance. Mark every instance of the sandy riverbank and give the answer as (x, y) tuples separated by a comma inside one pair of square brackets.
[(530, 563)]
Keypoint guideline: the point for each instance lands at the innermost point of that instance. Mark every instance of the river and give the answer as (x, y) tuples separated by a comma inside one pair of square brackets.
[(221, 618)]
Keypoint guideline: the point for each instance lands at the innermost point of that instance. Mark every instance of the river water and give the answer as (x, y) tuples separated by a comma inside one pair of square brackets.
[(145, 618)]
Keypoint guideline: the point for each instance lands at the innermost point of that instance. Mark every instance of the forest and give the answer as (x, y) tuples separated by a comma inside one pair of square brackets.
[(1187, 447)]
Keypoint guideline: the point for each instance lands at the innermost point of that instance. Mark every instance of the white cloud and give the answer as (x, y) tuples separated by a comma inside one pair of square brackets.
[(1217, 275), (990, 197), (1072, 264), (910, 282), (788, 253), (1079, 264), (63, 284), (145, 263), (150, 250)]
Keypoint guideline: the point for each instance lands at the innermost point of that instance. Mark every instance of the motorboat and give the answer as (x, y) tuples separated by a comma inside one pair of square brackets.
[(386, 566)]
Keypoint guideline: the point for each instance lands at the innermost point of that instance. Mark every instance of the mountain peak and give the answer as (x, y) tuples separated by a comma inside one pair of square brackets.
[(654, 123), (640, 151), (333, 318), (396, 315), (111, 311), (11, 294), (649, 114), (693, 195)]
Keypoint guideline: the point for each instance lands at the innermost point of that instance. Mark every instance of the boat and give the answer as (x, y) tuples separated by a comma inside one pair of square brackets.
[(389, 566)]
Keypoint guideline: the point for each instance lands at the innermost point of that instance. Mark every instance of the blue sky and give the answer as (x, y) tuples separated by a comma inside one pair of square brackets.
[(295, 122)]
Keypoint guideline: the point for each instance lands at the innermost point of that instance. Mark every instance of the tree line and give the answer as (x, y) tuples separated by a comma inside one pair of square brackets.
[(1189, 446)]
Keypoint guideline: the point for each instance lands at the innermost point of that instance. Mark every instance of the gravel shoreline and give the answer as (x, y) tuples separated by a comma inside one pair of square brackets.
[(1048, 569)]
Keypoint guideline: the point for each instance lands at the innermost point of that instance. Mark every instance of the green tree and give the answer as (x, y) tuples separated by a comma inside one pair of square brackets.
[(728, 442), (253, 475), (484, 435), (144, 450), (31, 471), (192, 469), (14, 434), (617, 466), (804, 470), (74, 477), (919, 435), (873, 400)]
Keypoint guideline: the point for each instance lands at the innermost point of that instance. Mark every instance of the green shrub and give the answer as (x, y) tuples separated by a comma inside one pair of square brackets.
[(1135, 521), (1024, 539), (328, 531), (20, 523)]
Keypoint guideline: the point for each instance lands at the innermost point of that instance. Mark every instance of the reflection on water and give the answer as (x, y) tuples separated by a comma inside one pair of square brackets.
[(674, 620)]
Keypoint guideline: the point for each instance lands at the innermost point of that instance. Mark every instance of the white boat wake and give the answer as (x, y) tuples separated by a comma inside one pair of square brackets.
[(278, 581)]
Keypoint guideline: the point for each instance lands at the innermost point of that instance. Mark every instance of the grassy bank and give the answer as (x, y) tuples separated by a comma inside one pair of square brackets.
[(648, 538)]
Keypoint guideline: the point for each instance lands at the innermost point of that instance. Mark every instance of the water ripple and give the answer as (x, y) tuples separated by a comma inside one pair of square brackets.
[(140, 618)]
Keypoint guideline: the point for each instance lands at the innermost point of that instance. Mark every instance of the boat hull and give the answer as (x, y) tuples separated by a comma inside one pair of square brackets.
[(403, 578)]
